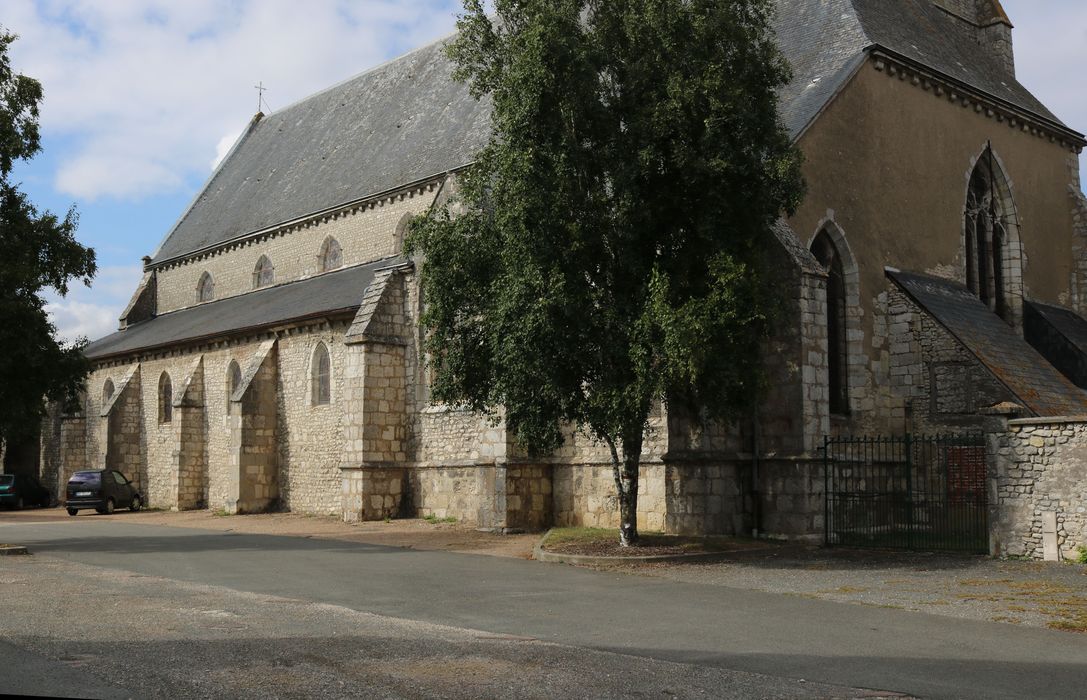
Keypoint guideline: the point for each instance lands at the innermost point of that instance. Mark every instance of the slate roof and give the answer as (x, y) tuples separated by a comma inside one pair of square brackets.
[(324, 295), (826, 40), (1018, 366), (407, 120), (1068, 323), (399, 123)]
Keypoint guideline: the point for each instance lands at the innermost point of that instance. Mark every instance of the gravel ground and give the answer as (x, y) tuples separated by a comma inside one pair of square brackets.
[(1043, 594), (115, 634)]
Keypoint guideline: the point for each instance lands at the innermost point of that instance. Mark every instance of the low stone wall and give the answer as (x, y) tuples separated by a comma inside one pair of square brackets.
[(1038, 473)]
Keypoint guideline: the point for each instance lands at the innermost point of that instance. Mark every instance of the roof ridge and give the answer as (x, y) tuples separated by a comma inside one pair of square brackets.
[(361, 74)]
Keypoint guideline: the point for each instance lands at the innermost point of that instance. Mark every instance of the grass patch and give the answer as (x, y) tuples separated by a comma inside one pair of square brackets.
[(435, 520), (605, 541), (1081, 554)]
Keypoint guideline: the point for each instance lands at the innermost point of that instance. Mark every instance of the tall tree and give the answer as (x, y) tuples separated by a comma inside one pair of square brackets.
[(605, 252), (38, 251)]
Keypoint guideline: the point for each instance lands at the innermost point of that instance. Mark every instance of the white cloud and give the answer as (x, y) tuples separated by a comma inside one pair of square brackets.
[(92, 312), (223, 147), (146, 89)]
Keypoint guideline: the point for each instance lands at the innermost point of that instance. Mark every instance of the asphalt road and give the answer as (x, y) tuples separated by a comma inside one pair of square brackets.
[(665, 621)]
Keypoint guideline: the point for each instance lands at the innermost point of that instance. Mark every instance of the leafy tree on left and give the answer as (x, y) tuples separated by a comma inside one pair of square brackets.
[(38, 252)]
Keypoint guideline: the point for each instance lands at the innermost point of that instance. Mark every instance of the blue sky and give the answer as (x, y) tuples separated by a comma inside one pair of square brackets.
[(142, 97)]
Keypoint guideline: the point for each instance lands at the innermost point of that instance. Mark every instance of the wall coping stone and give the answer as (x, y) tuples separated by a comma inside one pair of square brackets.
[(1051, 420)]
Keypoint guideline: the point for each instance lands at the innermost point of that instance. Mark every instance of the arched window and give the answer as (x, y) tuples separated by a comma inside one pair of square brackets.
[(233, 379), (331, 256), (107, 391), (400, 233), (986, 224), (830, 258), (321, 371), (166, 399), (263, 274), (205, 288)]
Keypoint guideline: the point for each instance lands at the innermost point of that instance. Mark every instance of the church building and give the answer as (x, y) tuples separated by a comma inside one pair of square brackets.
[(270, 357)]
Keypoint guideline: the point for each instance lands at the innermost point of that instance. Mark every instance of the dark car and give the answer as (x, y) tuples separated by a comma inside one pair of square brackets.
[(18, 490), (104, 490)]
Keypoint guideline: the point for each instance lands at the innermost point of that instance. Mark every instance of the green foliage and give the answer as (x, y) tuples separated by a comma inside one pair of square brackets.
[(1081, 554), (435, 520), (39, 252), (606, 251)]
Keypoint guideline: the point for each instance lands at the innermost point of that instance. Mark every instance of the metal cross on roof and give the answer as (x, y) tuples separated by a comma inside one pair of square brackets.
[(260, 94)]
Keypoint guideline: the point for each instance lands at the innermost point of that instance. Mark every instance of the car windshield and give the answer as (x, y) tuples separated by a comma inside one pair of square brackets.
[(86, 478), (7, 479)]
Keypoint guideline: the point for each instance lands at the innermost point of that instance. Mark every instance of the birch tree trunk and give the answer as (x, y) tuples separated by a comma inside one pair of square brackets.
[(625, 471)]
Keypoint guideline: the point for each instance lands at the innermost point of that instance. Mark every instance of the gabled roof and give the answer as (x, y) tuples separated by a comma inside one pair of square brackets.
[(329, 294), (407, 120), (1011, 360), (826, 40), (396, 124)]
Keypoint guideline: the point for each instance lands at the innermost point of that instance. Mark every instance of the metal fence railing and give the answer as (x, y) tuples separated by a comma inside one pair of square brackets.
[(923, 492)]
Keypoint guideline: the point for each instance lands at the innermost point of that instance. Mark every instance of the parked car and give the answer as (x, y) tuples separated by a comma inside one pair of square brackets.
[(19, 490), (104, 490)]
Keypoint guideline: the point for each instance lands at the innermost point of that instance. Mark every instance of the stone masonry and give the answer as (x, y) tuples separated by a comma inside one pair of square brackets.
[(1038, 471)]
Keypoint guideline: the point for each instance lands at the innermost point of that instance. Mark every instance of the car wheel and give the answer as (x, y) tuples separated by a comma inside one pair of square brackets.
[(72, 511), (136, 504), (108, 510)]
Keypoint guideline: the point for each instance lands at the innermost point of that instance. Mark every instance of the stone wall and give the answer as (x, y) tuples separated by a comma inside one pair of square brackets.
[(942, 383), (790, 498), (1038, 473), (365, 234), (705, 497), (310, 435), (448, 492), (585, 495), (123, 442), (191, 461), (253, 469), (189, 458)]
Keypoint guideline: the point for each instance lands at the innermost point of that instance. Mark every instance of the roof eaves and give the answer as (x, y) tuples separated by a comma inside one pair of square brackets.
[(233, 333), (165, 262), (1076, 137)]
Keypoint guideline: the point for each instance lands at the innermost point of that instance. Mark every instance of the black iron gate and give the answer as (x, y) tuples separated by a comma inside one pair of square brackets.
[(922, 492)]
